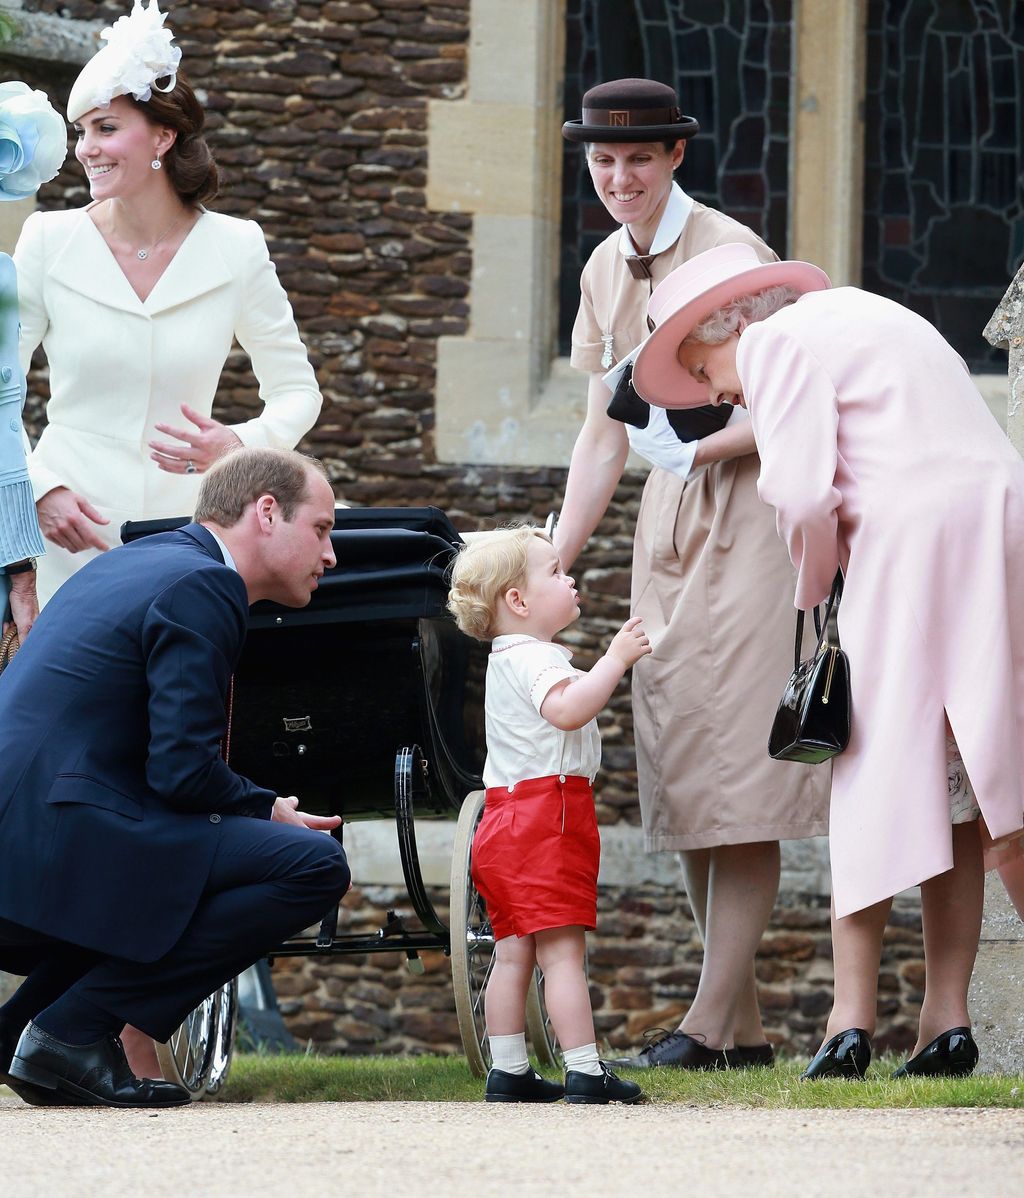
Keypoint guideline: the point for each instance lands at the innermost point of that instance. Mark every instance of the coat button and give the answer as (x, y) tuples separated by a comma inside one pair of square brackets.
[(214, 819), (14, 426)]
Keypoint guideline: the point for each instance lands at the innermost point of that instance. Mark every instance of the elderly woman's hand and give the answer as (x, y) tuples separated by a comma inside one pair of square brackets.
[(64, 519), (24, 604), (201, 446)]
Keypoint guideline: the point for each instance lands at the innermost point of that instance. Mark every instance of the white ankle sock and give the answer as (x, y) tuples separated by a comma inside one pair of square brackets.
[(508, 1053), (583, 1060)]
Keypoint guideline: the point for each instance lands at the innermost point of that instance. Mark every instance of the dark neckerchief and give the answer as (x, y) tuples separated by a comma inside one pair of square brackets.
[(639, 266)]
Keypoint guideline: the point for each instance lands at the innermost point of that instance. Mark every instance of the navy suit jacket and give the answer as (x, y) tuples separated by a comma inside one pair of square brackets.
[(112, 785)]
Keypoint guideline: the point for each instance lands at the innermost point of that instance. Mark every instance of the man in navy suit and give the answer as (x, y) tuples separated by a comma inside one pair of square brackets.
[(138, 872)]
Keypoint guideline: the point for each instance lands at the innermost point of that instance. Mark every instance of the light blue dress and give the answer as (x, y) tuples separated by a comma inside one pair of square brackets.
[(19, 529)]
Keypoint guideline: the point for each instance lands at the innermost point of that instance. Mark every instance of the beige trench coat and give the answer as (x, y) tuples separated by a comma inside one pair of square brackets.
[(715, 587)]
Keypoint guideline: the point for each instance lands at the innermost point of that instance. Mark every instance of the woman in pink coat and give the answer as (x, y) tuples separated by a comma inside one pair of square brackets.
[(880, 457)]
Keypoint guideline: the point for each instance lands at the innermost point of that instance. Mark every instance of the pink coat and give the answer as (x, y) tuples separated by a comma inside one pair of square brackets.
[(878, 453)]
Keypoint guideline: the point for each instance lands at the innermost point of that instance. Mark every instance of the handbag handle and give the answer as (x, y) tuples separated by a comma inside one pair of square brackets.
[(820, 626)]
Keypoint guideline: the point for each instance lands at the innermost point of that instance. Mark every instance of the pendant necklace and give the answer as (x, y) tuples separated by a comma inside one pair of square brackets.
[(142, 255)]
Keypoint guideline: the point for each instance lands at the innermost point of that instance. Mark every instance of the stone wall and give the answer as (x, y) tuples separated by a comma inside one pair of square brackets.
[(644, 963), (317, 115)]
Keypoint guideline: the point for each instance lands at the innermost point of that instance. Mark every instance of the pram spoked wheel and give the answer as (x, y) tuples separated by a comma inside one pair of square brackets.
[(198, 1055)]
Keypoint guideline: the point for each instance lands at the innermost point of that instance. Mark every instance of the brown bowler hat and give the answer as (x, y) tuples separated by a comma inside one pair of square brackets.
[(630, 110)]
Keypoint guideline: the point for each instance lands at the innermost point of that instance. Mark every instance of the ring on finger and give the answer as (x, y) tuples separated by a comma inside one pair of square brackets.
[(191, 467)]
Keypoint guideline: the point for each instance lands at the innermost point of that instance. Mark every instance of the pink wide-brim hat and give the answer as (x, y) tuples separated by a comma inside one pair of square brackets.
[(689, 295)]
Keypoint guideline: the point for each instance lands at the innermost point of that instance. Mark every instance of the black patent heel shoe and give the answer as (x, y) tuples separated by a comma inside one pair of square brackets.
[(953, 1054), (846, 1055)]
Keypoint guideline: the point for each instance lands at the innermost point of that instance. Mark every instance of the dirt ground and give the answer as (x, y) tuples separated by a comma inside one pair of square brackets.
[(398, 1150)]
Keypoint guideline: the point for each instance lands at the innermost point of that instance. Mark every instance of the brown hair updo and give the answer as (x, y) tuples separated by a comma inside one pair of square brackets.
[(189, 164)]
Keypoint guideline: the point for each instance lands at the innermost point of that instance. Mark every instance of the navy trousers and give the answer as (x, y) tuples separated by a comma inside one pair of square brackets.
[(268, 882)]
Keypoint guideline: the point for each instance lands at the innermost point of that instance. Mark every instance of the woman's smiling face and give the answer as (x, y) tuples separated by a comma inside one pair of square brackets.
[(632, 179), (116, 145)]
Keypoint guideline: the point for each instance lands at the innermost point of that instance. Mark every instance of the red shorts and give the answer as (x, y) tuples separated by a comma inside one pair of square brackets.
[(536, 854)]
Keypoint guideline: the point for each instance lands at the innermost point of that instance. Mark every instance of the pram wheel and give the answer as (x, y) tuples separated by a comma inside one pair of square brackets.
[(198, 1054)]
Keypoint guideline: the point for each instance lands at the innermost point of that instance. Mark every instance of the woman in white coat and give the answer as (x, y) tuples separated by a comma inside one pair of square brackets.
[(880, 457), (137, 300)]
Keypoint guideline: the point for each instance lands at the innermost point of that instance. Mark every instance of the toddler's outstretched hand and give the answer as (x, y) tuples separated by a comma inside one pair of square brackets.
[(630, 643)]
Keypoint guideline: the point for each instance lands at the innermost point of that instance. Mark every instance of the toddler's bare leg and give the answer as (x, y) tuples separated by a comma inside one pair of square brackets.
[(505, 1000), (560, 954)]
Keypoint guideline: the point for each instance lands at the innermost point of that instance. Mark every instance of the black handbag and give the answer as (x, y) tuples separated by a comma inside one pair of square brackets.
[(689, 424), (812, 723)]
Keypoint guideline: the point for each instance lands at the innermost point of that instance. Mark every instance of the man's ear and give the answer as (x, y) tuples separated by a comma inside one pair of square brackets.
[(267, 511), (515, 600)]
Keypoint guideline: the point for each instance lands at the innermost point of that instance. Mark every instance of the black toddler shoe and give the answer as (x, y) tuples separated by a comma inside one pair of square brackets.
[(521, 1087), (604, 1088), (953, 1054), (89, 1074), (676, 1049), (846, 1055)]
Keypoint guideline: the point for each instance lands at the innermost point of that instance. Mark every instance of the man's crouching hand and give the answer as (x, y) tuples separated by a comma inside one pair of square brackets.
[(286, 811)]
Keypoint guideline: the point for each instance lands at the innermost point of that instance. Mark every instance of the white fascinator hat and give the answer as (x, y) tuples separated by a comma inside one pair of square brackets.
[(137, 54)]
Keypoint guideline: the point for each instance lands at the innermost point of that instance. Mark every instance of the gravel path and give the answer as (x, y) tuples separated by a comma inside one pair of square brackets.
[(404, 1150)]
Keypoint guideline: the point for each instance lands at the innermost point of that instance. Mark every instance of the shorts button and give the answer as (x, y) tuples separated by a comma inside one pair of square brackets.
[(511, 789), (561, 777), (214, 819)]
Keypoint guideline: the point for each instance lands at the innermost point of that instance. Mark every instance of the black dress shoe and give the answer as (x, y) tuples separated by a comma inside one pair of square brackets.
[(521, 1087), (33, 1095), (953, 1054), (586, 1088), (88, 1074), (678, 1050), (752, 1056), (846, 1055)]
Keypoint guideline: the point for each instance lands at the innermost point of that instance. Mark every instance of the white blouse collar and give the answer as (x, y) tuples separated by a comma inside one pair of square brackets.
[(670, 228)]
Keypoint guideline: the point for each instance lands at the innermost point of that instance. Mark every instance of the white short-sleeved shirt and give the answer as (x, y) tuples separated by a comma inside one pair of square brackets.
[(520, 743)]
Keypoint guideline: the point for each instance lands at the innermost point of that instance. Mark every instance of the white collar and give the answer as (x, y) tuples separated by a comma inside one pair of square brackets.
[(228, 559), (670, 227), (513, 640)]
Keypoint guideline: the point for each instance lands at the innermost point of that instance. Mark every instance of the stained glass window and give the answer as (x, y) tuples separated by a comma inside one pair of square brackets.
[(730, 61), (943, 211)]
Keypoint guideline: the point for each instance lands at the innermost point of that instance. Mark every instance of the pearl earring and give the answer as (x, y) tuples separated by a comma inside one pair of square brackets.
[(156, 164)]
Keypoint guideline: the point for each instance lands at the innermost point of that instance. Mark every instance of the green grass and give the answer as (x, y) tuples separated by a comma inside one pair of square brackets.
[(447, 1079)]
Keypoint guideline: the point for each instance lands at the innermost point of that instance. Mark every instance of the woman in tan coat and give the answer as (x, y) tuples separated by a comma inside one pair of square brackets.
[(710, 580)]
